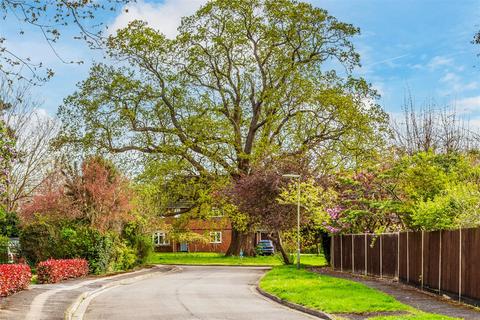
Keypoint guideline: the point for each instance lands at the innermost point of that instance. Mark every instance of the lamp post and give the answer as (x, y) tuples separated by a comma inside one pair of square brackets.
[(296, 176)]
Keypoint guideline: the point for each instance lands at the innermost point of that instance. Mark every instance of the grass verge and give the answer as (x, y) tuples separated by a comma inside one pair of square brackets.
[(334, 295), (209, 258)]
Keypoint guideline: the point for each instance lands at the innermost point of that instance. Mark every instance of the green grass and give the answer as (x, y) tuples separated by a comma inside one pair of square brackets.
[(415, 316), (334, 295), (326, 293), (208, 258)]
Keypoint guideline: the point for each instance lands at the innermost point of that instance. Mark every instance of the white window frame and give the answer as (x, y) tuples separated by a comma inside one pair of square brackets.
[(165, 242), (214, 235), (177, 212), (217, 213)]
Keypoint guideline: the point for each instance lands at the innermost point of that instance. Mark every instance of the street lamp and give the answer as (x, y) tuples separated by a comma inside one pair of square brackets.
[(296, 176)]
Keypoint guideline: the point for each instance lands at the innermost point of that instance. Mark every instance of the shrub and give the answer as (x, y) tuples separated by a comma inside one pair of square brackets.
[(89, 244), (38, 242), (105, 252), (14, 278), (123, 257), (4, 241), (9, 223), (136, 238), (52, 271)]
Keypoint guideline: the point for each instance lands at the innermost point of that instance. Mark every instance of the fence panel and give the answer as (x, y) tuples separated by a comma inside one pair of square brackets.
[(389, 255), (403, 259), (446, 262), (450, 259), (373, 255), (415, 258), (347, 252), (431, 254), (470, 264), (359, 249), (337, 251)]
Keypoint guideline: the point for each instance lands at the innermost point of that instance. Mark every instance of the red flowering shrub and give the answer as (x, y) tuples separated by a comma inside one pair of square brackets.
[(53, 270), (13, 278)]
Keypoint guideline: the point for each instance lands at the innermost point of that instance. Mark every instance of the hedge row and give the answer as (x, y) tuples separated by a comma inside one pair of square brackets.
[(52, 270), (13, 278), (16, 277)]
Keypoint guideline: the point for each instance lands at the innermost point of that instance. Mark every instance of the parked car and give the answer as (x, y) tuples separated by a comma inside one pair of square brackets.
[(265, 248)]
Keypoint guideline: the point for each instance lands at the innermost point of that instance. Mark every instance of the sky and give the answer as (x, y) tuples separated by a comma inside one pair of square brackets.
[(417, 47)]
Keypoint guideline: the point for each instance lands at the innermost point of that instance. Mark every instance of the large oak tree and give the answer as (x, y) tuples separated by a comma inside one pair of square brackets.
[(244, 81)]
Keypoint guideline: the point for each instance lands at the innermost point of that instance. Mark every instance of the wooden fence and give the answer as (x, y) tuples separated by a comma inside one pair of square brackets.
[(443, 262)]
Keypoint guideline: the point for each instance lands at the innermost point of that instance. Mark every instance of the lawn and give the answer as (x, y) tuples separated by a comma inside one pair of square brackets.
[(334, 295), (208, 258)]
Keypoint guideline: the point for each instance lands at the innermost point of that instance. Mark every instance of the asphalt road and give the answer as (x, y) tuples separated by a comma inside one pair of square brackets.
[(192, 293)]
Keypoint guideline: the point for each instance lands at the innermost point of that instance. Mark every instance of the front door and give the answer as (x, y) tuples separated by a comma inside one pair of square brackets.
[(183, 247)]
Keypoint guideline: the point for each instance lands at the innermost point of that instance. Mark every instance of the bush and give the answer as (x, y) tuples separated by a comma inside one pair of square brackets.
[(137, 239), (9, 223), (87, 243), (52, 271), (105, 252), (123, 257), (38, 242), (14, 278), (4, 241)]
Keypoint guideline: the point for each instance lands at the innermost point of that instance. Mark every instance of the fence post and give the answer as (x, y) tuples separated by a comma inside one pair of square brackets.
[(366, 263), (353, 254), (381, 258), (408, 262), (423, 248), (332, 252), (398, 256), (341, 252), (460, 266), (440, 265)]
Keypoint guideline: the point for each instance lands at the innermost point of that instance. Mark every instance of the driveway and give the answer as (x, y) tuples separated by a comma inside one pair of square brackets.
[(192, 293)]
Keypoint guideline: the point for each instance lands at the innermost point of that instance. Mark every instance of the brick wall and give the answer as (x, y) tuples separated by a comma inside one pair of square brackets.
[(204, 227)]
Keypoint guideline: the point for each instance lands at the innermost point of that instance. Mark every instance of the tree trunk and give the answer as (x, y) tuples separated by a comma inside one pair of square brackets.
[(277, 242), (326, 240), (242, 241)]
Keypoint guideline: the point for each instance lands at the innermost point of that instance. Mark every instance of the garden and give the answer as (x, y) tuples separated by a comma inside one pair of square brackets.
[(259, 119)]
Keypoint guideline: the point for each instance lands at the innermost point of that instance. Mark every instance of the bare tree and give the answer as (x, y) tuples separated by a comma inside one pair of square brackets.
[(33, 130), (431, 128)]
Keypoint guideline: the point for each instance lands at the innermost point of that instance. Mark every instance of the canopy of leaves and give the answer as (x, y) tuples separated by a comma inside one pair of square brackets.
[(423, 191), (244, 80), (97, 196)]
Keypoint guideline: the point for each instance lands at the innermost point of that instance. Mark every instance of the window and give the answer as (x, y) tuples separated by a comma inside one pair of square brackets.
[(160, 238), (217, 213), (216, 237), (177, 212)]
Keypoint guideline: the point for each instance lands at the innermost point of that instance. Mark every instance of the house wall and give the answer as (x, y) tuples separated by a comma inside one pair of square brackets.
[(204, 227), (211, 247)]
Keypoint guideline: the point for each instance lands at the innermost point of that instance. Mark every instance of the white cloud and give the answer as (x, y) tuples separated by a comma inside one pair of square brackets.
[(450, 77), (439, 61), (468, 105), (164, 17)]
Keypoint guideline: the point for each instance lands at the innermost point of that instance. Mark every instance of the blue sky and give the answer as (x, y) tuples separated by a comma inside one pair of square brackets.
[(417, 45)]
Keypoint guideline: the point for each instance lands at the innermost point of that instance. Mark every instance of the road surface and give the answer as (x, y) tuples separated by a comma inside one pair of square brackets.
[(191, 293)]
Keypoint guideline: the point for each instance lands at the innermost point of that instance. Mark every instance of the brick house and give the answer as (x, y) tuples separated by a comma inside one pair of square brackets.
[(218, 232), (215, 232)]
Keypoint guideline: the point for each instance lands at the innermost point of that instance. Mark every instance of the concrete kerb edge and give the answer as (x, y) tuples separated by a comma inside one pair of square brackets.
[(72, 308), (315, 313), (217, 265)]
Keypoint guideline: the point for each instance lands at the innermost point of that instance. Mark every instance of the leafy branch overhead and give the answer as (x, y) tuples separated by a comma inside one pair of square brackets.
[(236, 86), (50, 19)]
